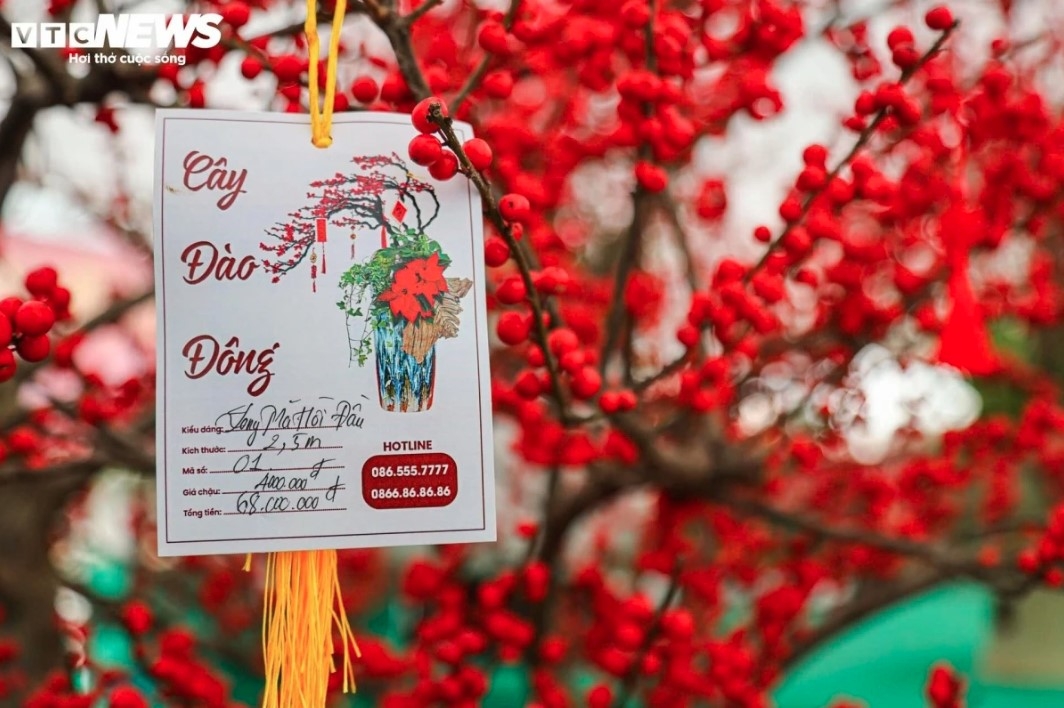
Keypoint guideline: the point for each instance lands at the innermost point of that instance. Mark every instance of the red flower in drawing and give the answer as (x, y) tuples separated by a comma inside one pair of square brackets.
[(429, 273), (415, 289), (406, 297)]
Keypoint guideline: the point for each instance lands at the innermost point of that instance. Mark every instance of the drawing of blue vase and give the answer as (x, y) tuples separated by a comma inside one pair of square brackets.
[(404, 384)]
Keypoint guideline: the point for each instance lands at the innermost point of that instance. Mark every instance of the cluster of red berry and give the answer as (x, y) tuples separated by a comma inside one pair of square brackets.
[(25, 324), (172, 661), (426, 150)]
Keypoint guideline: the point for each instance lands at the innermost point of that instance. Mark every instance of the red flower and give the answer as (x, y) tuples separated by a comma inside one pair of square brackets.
[(405, 296), (430, 274), (415, 288)]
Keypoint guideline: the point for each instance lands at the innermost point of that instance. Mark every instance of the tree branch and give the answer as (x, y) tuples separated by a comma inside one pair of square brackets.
[(862, 139), (631, 679), (419, 11), (397, 30), (525, 260), (478, 74)]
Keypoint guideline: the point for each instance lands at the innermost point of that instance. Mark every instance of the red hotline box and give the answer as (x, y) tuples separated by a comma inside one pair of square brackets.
[(409, 481)]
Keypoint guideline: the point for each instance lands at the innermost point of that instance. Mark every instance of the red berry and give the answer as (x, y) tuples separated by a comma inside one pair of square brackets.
[(59, 299), (815, 155), (496, 252), (635, 14), (511, 291), (250, 67), (425, 149), (137, 616), (515, 207), (572, 361), (168, 72), (34, 348), (340, 103), (196, 95), (629, 635), (364, 89), (479, 153), (22, 441), (445, 167), (534, 356), (791, 209), (5, 331), (513, 327), (1028, 561), (498, 84), (552, 649), (678, 624), (394, 89), (939, 18), (865, 105), (8, 365), (586, 383), (42, 282), (651, 177), (608, 402), (905, 56), (235, 13), (9, 306), (688, 336), (288, 67), (898, 36), (420, 115), (527, 385), (562, 340), (64, 351), (292, 92), (626, 399), (34, 318), (126, 697), (493, 38)]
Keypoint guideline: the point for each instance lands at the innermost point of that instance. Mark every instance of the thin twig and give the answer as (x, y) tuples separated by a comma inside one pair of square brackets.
[(862, 139), (385, 16), (846, 615), (671, 209), (124, 448), (525, 261), (866, 135), (13, 474), (420, 10), (631, 679), (618, 321), (478, 74), (109, 316)]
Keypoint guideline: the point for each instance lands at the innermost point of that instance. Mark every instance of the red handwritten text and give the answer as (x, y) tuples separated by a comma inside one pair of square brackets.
[(204, 260), (205, 355), (203, 171)]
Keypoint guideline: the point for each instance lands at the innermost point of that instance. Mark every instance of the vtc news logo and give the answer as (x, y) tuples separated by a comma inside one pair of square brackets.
[(125, 31)]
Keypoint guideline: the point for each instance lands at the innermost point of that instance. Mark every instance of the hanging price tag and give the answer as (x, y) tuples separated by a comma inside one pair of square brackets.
[(309, 399)]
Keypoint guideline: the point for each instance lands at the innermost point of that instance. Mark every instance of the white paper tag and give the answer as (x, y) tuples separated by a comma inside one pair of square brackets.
[(315, 389)]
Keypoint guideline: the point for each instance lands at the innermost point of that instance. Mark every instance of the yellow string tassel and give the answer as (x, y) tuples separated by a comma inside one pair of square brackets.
[(301, 602), (321, 116), (302, 606)]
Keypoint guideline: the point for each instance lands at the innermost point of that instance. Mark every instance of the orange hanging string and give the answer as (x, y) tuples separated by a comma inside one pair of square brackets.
[(302, 603), (321, 116), (302, 609)]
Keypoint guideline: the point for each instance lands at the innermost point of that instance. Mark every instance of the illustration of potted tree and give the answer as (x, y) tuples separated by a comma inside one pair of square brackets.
[(400, 292)]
